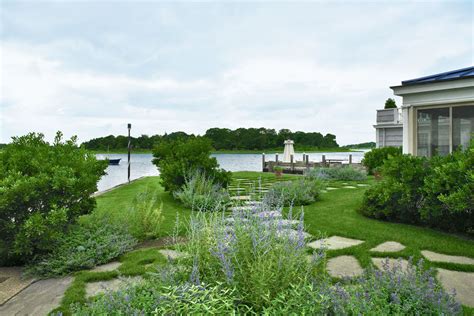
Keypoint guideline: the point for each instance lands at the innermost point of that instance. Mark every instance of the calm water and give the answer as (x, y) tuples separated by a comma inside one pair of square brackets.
[(141, 164)]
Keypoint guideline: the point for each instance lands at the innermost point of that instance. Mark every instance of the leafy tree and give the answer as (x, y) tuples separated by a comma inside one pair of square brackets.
[(390, 104), (177, 158), (43, 189)]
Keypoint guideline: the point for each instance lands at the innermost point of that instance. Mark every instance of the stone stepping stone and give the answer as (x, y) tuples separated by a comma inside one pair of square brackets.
[(362, 185), (284, 222), (344, 267), (37, 299), (269, 214), (172, 254), (241, 198), (349, 187), (335, 242), (242, 208), (324, 191), (12, 282), (107, 267), (331, 188), (439, 257), (391, 263), (95, 288), (253, 203), (389, 246), (462, 282)]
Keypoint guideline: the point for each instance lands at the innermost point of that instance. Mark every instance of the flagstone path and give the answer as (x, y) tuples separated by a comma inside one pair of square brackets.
[(389, 246), (344, 267), (439, 257)]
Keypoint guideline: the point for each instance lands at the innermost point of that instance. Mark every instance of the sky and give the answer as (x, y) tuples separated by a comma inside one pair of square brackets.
[(88, 68)]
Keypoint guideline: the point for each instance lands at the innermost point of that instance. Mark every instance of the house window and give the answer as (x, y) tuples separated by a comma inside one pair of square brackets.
[(433, 132), (463, 126)]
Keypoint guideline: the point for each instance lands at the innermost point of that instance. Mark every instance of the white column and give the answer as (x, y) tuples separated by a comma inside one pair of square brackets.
[(406, 131)]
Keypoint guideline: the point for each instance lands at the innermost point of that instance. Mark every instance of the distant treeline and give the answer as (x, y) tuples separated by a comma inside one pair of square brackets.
[(362, 145), (223, 139)]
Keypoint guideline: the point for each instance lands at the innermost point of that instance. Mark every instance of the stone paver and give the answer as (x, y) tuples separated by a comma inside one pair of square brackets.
[(331, 188), (349, 187), (335, 242), (462, 282), (362, 185), (11, 282), (439, 257), (37, 299), (172, 254), (284, 222), (241, 208), (253, 203), (241, 198), (392, 262), (107, 267), (389, 246), (95, 288), (344, 266)]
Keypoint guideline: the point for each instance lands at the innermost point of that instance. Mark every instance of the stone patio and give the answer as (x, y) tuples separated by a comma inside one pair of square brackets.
[(334, 243), (439, 257), (38, 299), (95, 288), (344, 267), (111, 266)]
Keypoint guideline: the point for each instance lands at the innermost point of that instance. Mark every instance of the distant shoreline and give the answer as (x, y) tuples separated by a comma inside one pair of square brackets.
[(242, 151)]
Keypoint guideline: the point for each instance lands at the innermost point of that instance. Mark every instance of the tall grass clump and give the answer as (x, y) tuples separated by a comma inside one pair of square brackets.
[(200, 192), (145, 216), (342, 173), (302, 191), (255, 253)]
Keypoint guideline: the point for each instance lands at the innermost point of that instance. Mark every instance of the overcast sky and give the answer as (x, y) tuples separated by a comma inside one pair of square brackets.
[(88, 68)]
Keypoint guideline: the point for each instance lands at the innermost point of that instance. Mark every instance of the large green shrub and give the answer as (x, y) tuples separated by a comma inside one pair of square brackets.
[(437, 192), (448, 192), (177, 158), (302, 191), (43, 189), (376, 157), (202, 194)]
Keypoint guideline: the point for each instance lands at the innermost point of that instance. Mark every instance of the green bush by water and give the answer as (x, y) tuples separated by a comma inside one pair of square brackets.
[(341, 173), (301, 191), (43, 189)]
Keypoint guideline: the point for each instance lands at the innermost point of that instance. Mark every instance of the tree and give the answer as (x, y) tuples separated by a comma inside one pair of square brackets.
[(43, 189), (180, 157), (390, 104)]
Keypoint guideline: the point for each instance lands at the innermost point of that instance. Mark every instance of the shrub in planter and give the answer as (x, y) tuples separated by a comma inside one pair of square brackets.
[(43, 189), (201, 193), (177, 158), (377, 156), (398, 195)]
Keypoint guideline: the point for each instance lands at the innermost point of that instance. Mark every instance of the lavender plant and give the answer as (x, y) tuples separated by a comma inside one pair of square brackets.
[(201, 193), (342, 173), (255, 253)]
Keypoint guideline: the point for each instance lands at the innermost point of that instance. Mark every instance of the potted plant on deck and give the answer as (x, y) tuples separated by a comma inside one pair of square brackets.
[(278, 171)]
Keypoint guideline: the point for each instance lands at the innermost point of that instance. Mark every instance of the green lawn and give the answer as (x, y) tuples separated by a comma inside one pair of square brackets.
[(334, 214)]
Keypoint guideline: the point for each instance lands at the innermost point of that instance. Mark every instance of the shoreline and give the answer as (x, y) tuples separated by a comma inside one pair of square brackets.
[(243, 151)]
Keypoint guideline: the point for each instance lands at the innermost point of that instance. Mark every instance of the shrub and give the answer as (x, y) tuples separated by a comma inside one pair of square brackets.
[(376, 157), (437, 192), (201, 193), (390, 104), (302, 191), (150, 298), (177, 158), (342, 173), (257, 256), (398, 196), (43, 189), (83, 247), (448, 192)]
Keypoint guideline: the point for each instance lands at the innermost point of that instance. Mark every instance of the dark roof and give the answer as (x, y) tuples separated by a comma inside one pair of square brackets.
[(450, 75)]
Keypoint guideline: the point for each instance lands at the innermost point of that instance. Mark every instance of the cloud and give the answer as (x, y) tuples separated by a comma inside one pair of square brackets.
[(314, 67)]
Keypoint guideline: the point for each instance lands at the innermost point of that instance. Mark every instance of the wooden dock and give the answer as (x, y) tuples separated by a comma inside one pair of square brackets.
[(299, 167)]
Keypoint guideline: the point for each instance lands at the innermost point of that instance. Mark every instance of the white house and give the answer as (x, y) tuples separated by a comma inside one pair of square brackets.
[(437, 112)]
